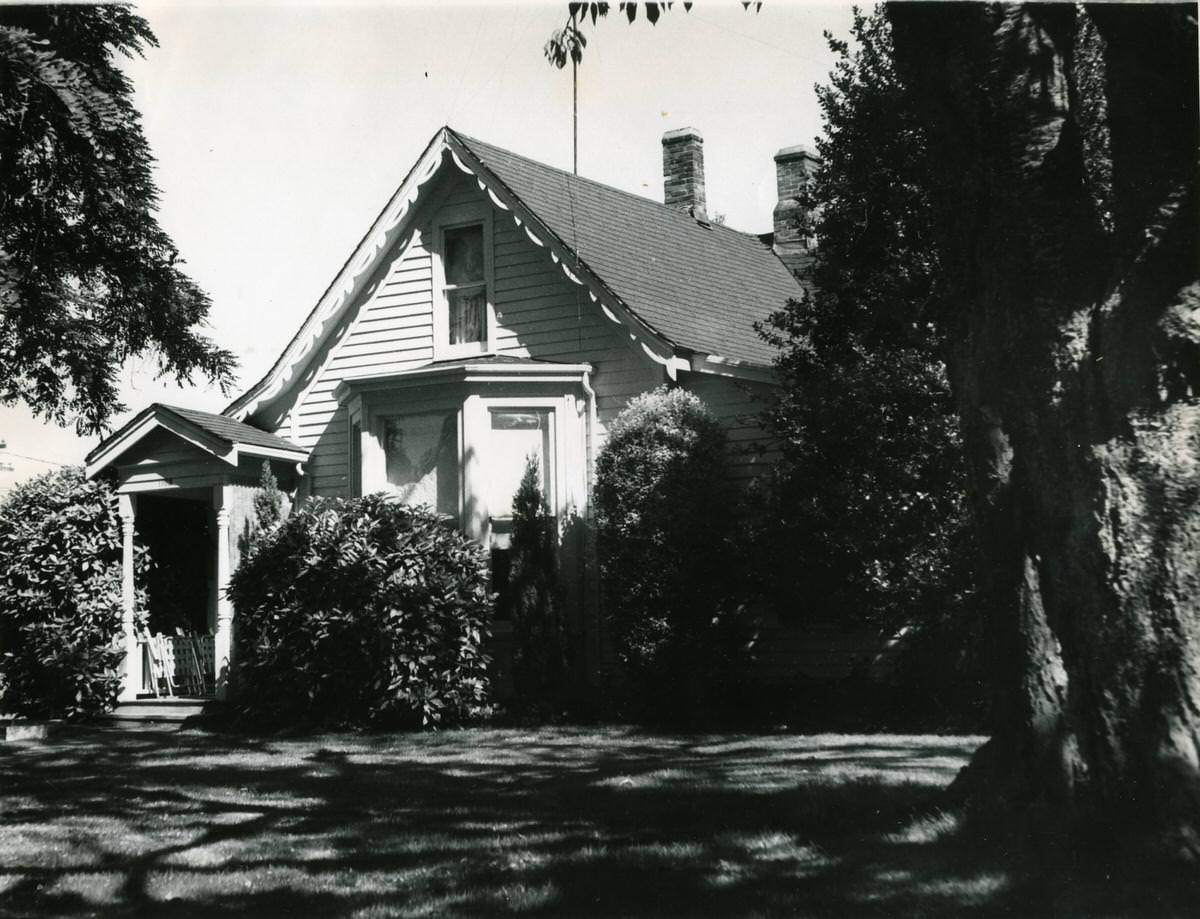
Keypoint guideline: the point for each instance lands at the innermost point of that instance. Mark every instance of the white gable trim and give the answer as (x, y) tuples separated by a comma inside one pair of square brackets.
[(393, 223), (394, 228)]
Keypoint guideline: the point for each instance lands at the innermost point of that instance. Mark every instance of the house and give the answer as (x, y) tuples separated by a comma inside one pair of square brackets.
[(496, 308)]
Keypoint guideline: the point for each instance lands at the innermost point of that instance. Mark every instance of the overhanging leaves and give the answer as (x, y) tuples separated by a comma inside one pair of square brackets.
[(87, 276)]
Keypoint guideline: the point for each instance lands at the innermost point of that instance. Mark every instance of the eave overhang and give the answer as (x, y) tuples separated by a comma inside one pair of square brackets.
[(465, 373), (727, 367)]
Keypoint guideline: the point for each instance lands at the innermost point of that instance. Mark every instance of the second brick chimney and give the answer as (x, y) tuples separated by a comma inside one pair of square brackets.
[(683, 171), (794, 167)]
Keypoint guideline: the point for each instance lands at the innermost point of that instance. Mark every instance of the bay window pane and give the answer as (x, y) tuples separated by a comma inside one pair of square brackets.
[(517, 434), (422, 459)]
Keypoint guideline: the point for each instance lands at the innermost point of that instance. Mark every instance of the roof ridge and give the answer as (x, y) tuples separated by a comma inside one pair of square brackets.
[(571, 176), (201, 411)]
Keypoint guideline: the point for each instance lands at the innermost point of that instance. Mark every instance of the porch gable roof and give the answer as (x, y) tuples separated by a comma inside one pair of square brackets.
[(219, 435)]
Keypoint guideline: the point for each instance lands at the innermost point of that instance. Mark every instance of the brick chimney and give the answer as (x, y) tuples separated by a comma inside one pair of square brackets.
[(683, 171), (794, 167)]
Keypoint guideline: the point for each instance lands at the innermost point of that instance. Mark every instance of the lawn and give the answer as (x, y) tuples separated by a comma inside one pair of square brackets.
[(606, 821)]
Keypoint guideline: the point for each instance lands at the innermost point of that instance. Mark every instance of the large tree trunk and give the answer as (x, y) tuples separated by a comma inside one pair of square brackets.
[(1064, 141)]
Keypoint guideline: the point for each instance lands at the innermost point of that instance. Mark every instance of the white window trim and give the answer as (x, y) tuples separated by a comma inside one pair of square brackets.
[(448, 219)]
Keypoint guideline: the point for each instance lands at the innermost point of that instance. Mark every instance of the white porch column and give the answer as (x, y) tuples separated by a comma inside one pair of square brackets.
[(127, 508), (223, 639)]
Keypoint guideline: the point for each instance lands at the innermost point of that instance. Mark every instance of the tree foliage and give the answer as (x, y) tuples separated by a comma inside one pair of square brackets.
[(539, 648), (567, 43), (866, 512), (60, 596), (87, 276)]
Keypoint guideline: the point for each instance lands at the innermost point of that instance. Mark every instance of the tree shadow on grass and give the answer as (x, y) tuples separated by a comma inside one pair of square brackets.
[(606, 822)]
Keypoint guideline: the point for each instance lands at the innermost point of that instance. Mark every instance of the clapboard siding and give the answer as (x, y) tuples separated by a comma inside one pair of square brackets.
[(540, 314), (736, 404), (392, 330)]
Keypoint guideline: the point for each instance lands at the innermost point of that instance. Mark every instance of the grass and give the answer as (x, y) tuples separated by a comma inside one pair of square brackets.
[(606, 822)]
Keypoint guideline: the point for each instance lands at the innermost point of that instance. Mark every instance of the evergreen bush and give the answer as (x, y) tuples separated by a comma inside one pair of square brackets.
[(268, 500), (539, 657), (362, 612), (269, 503), (60, 597), (663, 518)]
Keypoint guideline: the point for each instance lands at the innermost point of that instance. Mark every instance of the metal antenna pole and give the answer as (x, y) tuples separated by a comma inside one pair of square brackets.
[(574, 108)]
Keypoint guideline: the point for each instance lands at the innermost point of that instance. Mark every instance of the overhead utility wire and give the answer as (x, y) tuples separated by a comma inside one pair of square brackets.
[(36, 459)]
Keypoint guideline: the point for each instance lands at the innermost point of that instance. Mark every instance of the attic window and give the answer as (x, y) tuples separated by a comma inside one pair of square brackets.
[(466, 286)]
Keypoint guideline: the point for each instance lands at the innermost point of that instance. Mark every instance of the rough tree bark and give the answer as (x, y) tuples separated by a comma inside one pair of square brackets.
[(1064, 145)]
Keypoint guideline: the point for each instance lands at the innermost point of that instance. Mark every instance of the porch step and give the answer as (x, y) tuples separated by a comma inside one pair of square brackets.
[(163, 711), (28, 730)]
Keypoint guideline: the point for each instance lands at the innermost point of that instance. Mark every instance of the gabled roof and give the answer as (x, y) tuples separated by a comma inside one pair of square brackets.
[(702, 286), (684, 289), (219, 435)]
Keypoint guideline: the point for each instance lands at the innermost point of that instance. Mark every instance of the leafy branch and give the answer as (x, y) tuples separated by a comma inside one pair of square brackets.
[(568, 42)]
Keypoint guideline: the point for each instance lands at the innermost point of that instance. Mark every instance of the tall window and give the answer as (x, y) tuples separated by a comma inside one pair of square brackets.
[(466, 286), (518, 434), (421, 453)]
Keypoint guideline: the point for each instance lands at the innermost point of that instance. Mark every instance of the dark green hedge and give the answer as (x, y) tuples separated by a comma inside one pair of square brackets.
[(664, 519), (60, 597), (361, 612)]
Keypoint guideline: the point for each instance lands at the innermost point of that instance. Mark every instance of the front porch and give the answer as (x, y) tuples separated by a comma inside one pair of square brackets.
[(186, 482), (195, 660)]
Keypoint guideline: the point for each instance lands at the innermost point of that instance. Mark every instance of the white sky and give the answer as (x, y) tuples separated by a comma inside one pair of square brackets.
[(281, 131)]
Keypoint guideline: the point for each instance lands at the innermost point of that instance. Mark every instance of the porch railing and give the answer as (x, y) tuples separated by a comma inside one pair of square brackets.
[(178, 665)]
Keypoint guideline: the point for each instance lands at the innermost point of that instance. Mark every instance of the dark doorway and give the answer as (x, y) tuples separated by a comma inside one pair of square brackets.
[(177, 533)]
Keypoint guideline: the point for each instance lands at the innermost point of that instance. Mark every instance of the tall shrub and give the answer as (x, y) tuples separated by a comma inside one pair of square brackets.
[(869, 502), (362, 612), (662, 515), (60, 597), (865, 518), (539, 657)]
